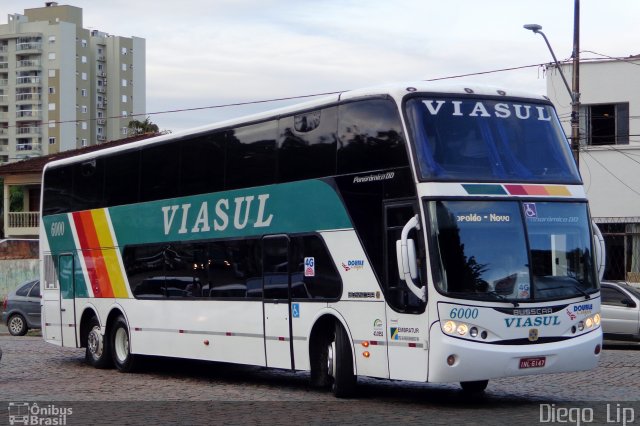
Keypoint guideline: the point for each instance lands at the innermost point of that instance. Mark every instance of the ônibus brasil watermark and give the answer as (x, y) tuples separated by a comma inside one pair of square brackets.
[(25, 413), (614, 414)]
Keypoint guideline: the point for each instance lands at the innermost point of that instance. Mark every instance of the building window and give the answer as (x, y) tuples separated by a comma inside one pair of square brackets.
[(124, 82), (52, 107), (83, 142), (123, 50), (124, 99), (52, 90), (84, 43), (83, 93), (83, 125), (52, 124), (52, 56), (123, 114), (124, 131), (84, 75), (52, 141), (100, 130), (84, 59), (52, 73), (52, 39), (605, 124), (124, 67), (84, 109)]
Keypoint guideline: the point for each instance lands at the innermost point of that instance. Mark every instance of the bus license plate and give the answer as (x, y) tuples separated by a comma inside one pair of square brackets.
[(536, 362)]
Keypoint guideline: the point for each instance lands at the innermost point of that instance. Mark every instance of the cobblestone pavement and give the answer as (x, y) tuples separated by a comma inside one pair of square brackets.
[(170, 391)]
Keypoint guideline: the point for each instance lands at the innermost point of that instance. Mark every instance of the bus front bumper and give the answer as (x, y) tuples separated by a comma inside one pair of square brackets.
[(482, 361)]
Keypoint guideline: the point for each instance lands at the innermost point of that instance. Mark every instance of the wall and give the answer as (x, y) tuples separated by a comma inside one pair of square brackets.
[(14, 272)]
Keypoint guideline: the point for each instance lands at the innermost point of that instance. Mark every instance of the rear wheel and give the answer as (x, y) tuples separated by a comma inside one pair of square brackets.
[(474, 387), (17, 325), (98, 352), (340, 364), (123, 359)]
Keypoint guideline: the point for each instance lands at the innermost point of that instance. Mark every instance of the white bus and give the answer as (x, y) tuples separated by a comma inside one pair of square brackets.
[(418, 232)]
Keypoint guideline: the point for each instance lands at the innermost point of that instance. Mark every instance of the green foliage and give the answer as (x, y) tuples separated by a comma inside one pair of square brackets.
[(137, 127)]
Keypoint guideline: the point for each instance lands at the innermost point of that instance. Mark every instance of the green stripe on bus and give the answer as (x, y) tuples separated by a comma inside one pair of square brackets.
[(483, 189), (294, 207)]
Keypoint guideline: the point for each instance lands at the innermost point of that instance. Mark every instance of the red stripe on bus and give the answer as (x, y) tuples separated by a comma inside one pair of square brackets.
[(228, 333), (94, 260), (281, 339), (412, 345)]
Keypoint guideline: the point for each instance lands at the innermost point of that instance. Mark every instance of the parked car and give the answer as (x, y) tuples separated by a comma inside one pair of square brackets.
[(21, 308), (620, 311)]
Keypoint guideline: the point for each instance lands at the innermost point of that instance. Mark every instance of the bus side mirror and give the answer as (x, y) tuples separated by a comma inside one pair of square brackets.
[(407, 264)]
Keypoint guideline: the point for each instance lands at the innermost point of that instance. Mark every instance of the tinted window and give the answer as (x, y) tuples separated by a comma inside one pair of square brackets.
[(234, 269), (57, 190), (313, 272), (145, 269), (370, 136), (35, 290), (88, 183), (613, 297), (122, 174), (251, 156), (307, 145), (276, 267), (24, 290), (159, 174), (202, 164)]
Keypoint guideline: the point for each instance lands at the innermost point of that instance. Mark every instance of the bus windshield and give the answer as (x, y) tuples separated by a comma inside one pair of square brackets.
[(489, 140), (511, 250)]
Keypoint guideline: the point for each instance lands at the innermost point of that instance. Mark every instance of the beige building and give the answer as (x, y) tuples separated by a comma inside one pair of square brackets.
[(62, 86)]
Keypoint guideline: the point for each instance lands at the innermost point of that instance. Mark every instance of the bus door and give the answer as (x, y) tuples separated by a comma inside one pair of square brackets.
[(67, 300), (52, 330), (276, 287), (406, 319)]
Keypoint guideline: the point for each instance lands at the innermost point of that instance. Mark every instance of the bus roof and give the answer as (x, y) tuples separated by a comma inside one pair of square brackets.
[(396, 90)]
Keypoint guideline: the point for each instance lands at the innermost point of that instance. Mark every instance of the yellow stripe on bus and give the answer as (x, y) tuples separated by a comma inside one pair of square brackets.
[(109, 253)]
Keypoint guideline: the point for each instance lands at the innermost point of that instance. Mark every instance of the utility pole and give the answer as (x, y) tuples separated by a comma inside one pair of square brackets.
[(575, 86)]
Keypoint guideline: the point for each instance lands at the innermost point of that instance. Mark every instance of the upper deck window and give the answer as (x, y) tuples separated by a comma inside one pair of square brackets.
[(489, 140)]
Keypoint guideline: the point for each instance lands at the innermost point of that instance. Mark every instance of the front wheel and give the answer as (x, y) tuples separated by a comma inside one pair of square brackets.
[(98, 352), (474, 387), (340, 364), (17, 325), (123, 359)]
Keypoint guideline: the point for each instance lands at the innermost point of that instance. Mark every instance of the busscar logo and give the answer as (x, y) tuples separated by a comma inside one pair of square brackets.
[(33, 414), (353, 265)]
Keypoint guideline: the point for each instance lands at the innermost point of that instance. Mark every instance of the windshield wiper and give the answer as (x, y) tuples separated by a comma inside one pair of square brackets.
[(503, 298)]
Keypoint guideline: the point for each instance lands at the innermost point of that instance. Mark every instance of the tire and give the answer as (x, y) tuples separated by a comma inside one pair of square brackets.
[(474, 387), (340, 365), (123, 359), (319, 362), (17, 325), (98, 352)]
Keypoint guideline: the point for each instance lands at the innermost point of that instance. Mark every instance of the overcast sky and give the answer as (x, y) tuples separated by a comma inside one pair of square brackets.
[(215, 52)]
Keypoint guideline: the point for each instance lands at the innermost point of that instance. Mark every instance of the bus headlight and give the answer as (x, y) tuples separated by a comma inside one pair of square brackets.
[(462, 329), (449, 327), (596, 319), (588, 322)]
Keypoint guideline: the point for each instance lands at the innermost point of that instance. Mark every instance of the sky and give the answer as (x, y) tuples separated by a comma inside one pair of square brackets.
[(218, 52)]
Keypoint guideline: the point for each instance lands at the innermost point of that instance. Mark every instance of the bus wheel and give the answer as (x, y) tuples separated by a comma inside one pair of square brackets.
[(123, 359), (17, 325), (98, 353), (340, 365), (474, 387)]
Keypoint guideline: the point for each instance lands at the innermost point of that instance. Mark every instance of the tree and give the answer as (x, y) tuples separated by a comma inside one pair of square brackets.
[(137, 127)]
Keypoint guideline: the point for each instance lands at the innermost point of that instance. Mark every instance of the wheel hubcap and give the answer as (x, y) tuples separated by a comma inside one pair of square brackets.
[(16, 324), (94, 342), (122, 345), (331, 363)]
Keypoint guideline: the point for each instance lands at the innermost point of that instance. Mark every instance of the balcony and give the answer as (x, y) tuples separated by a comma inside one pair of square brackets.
[(4, 82), (102, 90), (101, 121), (32, 80), (32, 46), (101, 138), (4, 48), (101, 58), (4, 65), (35, 148), (23, 223), (22, 97), (100, 105), (4, 116), (29, 115), (29, 130), (28, 63), (101, 74), (4, 99)]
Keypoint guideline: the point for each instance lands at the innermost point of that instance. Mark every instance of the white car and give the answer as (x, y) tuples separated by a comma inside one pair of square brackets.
[(620, 311)]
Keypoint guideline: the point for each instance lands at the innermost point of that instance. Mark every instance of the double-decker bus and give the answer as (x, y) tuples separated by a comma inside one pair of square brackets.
[(423, 232)]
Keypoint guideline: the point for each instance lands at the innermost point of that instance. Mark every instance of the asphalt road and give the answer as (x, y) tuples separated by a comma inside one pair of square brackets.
[(53, 383)]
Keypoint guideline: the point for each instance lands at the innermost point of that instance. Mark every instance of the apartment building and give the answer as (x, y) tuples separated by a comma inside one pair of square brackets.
[(63, 86), (609, 152)]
